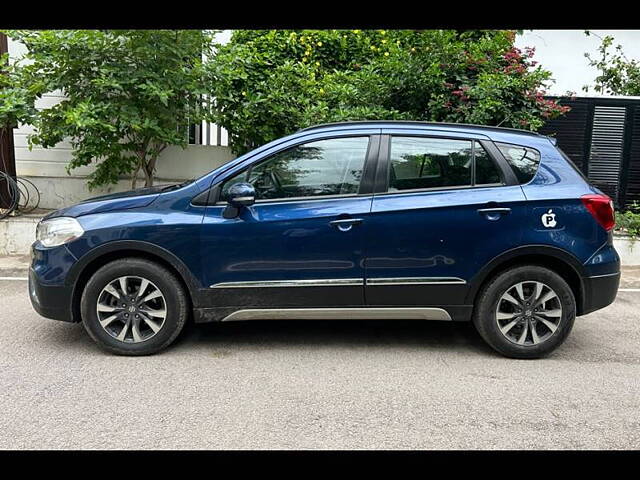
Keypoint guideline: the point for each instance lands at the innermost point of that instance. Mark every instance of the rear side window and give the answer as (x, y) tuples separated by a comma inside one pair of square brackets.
[(422, 162), (486, 170), (523, 160), (429, 163)]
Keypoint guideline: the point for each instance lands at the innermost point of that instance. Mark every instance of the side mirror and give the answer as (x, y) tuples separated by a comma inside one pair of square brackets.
[(238, 196), (241, 195)]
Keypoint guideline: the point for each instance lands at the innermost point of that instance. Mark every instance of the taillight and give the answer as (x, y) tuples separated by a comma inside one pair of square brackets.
[(601, 207)]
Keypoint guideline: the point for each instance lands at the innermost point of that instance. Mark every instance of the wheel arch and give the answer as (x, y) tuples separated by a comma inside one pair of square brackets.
[(553, 258), (100, 256)]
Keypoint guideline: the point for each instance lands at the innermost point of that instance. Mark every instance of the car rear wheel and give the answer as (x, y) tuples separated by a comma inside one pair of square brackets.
[(525, 312), (133, 307)]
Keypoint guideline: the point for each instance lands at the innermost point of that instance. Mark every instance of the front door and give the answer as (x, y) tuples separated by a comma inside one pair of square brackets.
[(444, 211), (301, 244)]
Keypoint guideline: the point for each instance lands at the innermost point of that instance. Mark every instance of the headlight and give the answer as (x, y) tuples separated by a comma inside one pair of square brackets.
[(57, 231)]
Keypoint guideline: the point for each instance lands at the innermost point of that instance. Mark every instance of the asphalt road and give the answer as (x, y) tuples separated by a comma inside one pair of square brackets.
[(309, 385)]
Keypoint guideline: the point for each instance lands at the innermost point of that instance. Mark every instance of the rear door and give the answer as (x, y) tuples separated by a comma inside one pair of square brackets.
[(445, 205)]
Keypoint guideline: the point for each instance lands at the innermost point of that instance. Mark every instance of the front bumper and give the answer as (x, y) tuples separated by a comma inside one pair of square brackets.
[(599, 291), (50, 295), (50, 301)]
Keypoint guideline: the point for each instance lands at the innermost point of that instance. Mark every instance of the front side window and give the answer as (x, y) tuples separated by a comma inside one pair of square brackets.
[(324, 167), (420, 162), (523, 160)]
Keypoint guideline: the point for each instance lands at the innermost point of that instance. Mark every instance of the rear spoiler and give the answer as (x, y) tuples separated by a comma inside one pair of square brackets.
[(553, 140)]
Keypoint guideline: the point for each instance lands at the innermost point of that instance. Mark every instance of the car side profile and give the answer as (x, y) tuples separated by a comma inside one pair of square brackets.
[(354, 220)]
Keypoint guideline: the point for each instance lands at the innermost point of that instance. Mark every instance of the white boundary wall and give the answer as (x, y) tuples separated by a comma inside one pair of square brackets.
[(46, 167)]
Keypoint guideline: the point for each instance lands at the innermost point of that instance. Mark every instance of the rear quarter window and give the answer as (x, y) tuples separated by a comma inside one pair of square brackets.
[(524, 161)]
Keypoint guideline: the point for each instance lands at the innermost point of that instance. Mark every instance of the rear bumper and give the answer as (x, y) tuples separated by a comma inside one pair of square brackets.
[(599, 291)]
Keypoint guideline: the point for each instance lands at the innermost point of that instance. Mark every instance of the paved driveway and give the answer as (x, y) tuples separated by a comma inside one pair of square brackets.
[(318, 385)]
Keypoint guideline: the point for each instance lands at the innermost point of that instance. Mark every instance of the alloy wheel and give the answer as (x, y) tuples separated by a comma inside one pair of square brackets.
[(528, 313), (131, 309)]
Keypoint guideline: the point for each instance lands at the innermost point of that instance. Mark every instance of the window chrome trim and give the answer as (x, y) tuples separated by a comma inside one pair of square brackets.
[(410, 191), (278, 201), (363, 313), (330, 282), (416, 281)]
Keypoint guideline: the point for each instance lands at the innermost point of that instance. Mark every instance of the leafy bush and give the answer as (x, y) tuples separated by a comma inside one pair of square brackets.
[(618, 75), (271, 83), (128, 94), (629, 221)]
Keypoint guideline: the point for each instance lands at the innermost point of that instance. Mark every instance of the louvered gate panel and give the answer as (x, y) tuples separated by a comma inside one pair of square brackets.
[(571, 130), (607, 142), (633, 178)]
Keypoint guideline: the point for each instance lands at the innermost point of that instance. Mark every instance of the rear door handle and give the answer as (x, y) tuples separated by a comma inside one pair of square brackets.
[(494, 213), (345, 224)]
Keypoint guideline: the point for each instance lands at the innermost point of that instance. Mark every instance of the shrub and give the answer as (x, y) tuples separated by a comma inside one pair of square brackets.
[(629, 221), (128, 94), (271, 83)]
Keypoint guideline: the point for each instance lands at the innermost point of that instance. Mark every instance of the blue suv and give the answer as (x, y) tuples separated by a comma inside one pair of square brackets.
[(356, 220)]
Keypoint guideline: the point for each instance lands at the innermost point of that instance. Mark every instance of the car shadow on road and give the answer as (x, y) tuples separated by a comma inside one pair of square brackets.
[(312, 335), (344, 333)]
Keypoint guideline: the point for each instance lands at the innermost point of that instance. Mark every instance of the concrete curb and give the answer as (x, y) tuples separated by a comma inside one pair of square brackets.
[(14, 266), (18, 233)]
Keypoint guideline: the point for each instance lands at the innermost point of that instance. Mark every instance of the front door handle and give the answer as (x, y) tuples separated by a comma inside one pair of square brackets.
[(494, 214), (345, 224)]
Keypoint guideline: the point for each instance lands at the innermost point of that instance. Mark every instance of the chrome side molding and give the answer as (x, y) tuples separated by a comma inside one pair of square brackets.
[(330, 282), (365, 313), (416, 281), (605, 275), (341, 282)]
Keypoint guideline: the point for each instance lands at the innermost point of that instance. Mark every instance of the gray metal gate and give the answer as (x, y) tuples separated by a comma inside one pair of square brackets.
[(602, 136)]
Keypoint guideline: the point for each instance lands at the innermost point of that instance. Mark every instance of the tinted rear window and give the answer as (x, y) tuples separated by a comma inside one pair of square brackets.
[(523, 160)]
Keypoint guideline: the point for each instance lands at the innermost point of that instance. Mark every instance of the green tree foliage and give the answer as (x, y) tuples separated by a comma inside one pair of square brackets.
[(270, 83), (128, 94), (629, 221), (618, 75), (16, 102)]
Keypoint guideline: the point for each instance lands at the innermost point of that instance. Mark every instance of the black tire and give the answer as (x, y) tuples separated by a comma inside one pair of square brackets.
[(170, 287), (484, 316)]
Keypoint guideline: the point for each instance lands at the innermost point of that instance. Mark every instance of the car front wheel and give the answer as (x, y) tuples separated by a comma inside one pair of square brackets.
[(525, 312), (133, 306)]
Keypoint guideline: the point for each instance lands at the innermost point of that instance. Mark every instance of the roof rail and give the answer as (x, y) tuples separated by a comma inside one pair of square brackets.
[(416, 122)]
